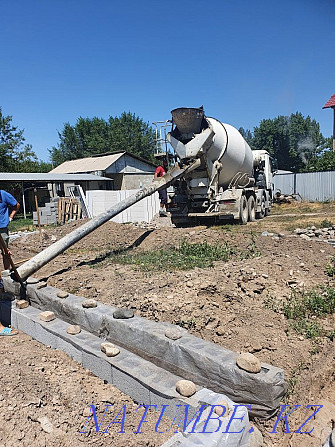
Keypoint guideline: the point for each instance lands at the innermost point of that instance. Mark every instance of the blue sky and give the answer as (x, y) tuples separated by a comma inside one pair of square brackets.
[(242, 60)]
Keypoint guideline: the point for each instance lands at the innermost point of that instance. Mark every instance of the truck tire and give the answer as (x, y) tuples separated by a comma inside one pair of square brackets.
[(252, 209), (261, 213), (243, 210)]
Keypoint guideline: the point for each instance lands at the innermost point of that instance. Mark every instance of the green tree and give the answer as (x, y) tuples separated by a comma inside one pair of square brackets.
[(293, 140), (15, 155), (324, 159), (93, 136), (247, 135)]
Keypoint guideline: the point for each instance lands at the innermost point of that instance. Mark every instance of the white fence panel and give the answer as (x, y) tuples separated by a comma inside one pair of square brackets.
[(100, 201), (313, 186)]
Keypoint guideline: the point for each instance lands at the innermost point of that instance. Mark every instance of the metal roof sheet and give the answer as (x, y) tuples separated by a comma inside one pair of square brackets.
[(48, 177), (88, 164), (330, 102)]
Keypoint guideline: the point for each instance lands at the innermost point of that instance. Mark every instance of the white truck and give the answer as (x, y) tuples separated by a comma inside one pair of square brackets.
[(232, 181)]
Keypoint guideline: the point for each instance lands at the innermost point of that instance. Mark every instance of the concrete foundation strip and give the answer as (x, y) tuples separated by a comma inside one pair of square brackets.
[(143, 381), (206, 364)]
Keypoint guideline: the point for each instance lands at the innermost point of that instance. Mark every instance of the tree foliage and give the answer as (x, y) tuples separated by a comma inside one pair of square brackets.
[(293, 140), (15, 155), (324, 160), (93, 136), (247, 135)]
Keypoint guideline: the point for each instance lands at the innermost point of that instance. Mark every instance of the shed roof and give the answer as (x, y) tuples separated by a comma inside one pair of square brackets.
[(330, 102), (39, 177), (88, 164)]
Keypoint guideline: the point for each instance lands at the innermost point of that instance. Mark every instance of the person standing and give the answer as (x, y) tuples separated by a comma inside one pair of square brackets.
[(160, 171), (9, 206)]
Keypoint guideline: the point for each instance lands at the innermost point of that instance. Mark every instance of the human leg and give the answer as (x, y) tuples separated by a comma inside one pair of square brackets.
[(5, 257)]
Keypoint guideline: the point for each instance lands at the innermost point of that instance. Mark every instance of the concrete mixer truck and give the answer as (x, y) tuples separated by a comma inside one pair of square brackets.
[(216, 174), (231, 182)]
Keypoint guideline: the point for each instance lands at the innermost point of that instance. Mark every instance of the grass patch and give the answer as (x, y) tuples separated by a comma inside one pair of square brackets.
[(330, 268), (325, 223), (21, 224), (252, 251), (310, 329), (318, 302), (292, 382), (305, 309), (184, 257)]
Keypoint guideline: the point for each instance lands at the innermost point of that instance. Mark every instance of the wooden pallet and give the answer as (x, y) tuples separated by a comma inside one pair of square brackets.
[(68, 209)]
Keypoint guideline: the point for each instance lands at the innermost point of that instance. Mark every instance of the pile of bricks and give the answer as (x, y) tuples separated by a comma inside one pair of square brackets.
[(48, 214)]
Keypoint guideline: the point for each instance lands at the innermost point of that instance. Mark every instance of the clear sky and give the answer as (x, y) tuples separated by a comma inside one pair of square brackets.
[(242, 60)]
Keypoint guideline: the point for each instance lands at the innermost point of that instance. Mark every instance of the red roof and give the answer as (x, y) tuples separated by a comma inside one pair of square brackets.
[(330, 103)]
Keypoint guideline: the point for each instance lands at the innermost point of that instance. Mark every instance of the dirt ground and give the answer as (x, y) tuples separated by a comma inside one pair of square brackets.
[(235, 304)]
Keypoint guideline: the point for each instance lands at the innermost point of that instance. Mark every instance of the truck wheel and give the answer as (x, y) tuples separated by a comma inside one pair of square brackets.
[(243, 210), (261, 213), (252, 209)]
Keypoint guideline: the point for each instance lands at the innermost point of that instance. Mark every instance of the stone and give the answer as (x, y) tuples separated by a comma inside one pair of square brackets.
[(221, 411), (256, 346), (186, 388), (47, 316), (22, 304), (112, 352), (46, 424), (123, 313), (90, 303), (32, 280), (73, 329), (41, 284), (106, 344), (87, 412), (248, 362), (62, 294), (175, 333), (256, 437), (305, 237), (109, 349)]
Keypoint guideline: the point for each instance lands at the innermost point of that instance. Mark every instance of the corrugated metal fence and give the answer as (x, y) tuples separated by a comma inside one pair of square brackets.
[(313, 186)]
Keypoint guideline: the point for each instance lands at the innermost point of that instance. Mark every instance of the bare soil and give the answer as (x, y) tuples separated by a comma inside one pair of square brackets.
[(233, 304)]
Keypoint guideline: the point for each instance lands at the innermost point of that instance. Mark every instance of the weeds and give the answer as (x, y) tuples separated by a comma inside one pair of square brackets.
[(318, 302), (330, 268), (252, 251), (184, 257), (303, 309), (310, 329), (326, 223), (292, 382)]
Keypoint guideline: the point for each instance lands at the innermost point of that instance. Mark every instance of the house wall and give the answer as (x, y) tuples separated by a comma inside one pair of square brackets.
[(127, 164), (143, 211)]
